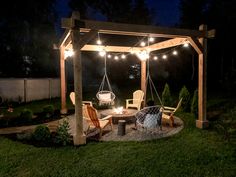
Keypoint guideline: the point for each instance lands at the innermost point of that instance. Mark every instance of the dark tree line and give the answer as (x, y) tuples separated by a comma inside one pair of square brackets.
[(27, 34), (220, 15)]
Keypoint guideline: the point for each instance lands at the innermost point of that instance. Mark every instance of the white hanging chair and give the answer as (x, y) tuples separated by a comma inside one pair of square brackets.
[(105, 97), (150, 117)]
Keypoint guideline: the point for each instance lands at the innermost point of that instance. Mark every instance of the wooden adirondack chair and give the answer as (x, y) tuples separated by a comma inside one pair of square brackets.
[(168, 113), (72, 98), (92, 116), (136, 101)]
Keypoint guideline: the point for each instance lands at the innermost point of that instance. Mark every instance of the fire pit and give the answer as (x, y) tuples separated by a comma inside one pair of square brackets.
[(120, 113)]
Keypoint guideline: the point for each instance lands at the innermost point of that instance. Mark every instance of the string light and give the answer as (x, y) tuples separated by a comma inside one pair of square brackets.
[(123, 56), (186, 44), (175, 52), (155, 58), (109, 56), (68, 53), (143, 44), (116, 57), (102, 53), (143, 55), (151, 39), (164, 56)]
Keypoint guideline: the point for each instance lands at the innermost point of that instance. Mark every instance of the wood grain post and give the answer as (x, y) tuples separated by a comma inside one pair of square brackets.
[(143, 79), (202, 89), (63, 80), (79, 137)]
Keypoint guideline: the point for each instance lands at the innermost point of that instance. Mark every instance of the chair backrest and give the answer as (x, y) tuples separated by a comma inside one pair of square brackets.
[(72, 97), (178, 105), (138, 96), (92, 113)]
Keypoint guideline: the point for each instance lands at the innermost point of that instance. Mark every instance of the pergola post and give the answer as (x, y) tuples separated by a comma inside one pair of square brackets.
[(143, 79), (63, 80), (79, 137), (202, 74)]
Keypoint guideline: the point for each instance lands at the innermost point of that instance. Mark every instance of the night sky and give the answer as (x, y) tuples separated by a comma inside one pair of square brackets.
[(166, 11)]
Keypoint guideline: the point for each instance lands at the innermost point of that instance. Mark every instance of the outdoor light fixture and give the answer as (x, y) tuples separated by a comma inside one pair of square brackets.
[(143, 55), (143, 44), (99, 42), (108, 56), (186, 44), (102, 53), (164, 56), (123, 56), (155, 58), (175, 52), (116, 57), (68, 53), (151, 39)]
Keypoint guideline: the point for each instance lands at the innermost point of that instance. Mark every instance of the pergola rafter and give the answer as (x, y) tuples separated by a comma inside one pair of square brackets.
[(73, 39)]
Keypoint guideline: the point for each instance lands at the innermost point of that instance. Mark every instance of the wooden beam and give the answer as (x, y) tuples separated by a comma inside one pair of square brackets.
[(123, 49), (166, 44), (196, 45), (202, 88), (143, 79), (64, 37), (63, 80), (87, 37)]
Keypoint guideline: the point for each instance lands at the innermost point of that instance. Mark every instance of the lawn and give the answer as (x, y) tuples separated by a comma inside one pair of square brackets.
[(192, 152)]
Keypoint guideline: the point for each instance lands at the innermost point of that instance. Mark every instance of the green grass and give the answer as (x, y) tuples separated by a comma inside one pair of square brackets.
[(190, 153)]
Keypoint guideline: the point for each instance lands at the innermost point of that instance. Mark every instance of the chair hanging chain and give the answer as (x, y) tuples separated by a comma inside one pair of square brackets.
[(151, 84)]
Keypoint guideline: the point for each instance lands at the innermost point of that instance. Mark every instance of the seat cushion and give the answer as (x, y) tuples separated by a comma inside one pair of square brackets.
[(106, 97)]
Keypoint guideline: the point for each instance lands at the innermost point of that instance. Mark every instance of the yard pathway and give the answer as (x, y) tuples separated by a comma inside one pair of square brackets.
[(30, 128)]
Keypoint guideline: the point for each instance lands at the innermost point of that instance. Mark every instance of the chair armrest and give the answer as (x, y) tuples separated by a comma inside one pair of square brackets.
[(169, 108), (128, 100), (88, 103), (107, 117)]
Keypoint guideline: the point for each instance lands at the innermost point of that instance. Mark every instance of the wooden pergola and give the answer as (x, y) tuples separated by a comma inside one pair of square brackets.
[(72, 39)]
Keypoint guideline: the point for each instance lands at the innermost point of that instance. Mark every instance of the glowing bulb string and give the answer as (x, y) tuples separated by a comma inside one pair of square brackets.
[(146, 54)]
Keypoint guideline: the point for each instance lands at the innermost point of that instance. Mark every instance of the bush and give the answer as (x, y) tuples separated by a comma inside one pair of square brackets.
[(26, 115), (62, 135), (42, 133), (194, 104), (185, 95), (48, 110), (166, 96)]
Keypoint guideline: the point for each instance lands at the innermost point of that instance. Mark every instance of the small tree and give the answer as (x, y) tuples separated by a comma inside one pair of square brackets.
[(166, 96), (185, 95), (194, 104), (62, 133)]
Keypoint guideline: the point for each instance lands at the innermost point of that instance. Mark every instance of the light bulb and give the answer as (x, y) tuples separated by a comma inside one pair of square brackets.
[(123, 56), (164, 56), (102, 53), (108, 56), (99, 42), (116, 57), (175, 52), (68, 53), (155, 58), (143, 44), (151, 39), (186, 44)]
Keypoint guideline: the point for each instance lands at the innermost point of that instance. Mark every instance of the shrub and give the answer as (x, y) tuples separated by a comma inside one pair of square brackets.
[(62, 135), (194, 104), (42, 133), (26, 115), (166, 96), (184, 93), (226, 125), (48, 110)]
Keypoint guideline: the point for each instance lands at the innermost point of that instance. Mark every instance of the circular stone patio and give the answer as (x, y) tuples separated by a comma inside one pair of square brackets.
[(141, 134), (135, 135)]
